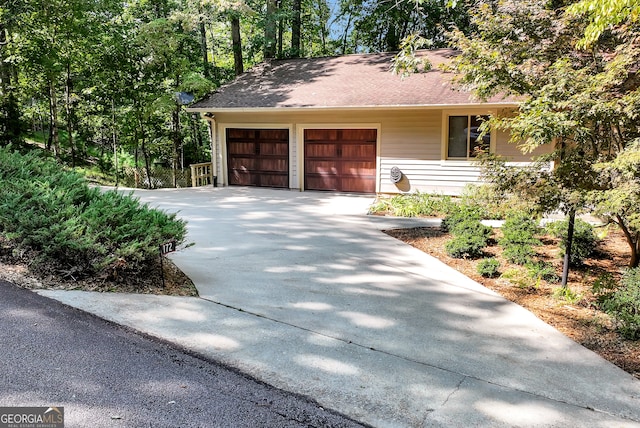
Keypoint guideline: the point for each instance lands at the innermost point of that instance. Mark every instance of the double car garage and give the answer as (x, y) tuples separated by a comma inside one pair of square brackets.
[(342, 160)]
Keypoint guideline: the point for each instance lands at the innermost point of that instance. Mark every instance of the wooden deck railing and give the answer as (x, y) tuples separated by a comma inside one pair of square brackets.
[(202, 174)]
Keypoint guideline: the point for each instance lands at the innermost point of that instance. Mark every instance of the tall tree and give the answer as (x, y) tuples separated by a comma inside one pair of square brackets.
[(10, 127), (583, 104), (296, 28), (270, 19), (236, 41)]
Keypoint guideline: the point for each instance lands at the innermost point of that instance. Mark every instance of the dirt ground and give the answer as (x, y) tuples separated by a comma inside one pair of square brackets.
[(581, 321), (175, 283)]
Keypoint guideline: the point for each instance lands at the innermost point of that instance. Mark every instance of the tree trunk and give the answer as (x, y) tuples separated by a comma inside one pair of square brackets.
[(10, 128), (145, 154), (270, 42), (633, 240), (53, 119), (69, 110), (296, 28), (177, 143), (345, 34), (634, 261), (280, 31), (236, 45), (114, 140), (567, 250), (203, 45)]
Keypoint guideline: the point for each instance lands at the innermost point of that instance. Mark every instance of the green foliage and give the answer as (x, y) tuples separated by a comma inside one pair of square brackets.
[(571, 101), (566, 294), (541, 270), (622, 302), (496, 204), (466, 246), (460, 213), (488, 268), (518, 237), (55, 215), (470, 237), (518, 276), (531, 274), (414, 205), (601, 15), (519, 254), (584, 240)]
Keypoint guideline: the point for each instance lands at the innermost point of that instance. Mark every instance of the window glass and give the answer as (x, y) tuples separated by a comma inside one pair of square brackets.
[(463, 137), (458, 136), (478, 145)]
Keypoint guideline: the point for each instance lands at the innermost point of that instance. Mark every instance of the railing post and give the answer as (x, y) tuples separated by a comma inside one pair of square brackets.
[(193, 175), (201, 174)]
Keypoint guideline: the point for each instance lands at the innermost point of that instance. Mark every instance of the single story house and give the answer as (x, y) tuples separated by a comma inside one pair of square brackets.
[(348, 124)]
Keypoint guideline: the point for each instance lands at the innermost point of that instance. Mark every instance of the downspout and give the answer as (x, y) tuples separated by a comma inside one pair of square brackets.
[(214, 152)]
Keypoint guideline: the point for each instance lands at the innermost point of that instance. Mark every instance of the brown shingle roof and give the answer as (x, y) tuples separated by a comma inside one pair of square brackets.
[(362, 80)]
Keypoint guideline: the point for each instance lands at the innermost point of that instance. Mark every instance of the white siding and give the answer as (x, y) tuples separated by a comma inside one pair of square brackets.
[(410, 139)]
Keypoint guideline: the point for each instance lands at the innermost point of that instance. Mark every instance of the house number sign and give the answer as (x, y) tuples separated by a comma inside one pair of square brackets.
[(168, 247)]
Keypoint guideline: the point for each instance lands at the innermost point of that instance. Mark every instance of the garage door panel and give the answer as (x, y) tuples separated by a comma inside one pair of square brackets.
[(271, 165), (321, 167), (320, 135), (322, 182), (258, 157), (359, 151), (274, 180), (323, 150), (241, 178), (274, 149), (353, 184), (273, 134), (243, 164), (340, 159), (368, 135), (359, 169), (239, 133), (242, 148)]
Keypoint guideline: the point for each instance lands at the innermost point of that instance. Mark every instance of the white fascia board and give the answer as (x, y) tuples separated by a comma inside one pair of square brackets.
[(395, 107)]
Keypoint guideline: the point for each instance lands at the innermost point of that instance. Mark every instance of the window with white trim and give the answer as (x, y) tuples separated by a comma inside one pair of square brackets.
[(463, 137)]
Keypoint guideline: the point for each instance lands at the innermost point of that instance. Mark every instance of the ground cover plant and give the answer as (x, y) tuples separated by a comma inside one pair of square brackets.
[(599, 308), (414, 205), (52, 220)]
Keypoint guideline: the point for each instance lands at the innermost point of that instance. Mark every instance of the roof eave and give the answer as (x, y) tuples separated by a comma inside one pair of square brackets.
[(504, 104)]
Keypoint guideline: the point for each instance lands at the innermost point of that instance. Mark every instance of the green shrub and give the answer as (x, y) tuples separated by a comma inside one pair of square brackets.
[(622, 303), (603, 286), (460, 213), (497, 205), (584, 240), (488, 268), (518, 237), (541, 270), (55, 216), (471, 226), (465, 246), (470, 237), (519, 254), (566, 294)]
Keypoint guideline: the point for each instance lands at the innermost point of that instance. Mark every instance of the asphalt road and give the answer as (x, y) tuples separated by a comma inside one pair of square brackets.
[(107, 376)]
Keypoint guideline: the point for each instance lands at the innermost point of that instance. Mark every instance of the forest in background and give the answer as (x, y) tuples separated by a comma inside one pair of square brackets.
[(103, 83)]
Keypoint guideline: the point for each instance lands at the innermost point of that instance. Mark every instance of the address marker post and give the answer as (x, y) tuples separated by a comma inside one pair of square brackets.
[(166, 248)]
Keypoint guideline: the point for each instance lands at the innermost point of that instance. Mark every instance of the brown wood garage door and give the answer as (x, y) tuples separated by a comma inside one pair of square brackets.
[(258, 157), (342, 160)]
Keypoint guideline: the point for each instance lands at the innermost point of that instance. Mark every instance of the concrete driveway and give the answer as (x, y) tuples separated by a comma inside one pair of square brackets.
[(303, 291)]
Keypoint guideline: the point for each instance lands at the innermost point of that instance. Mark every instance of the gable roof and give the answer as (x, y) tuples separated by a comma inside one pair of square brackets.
[(349, 81)]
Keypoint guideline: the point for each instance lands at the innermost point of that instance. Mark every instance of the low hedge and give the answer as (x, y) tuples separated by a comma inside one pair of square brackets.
[(55, 218)]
